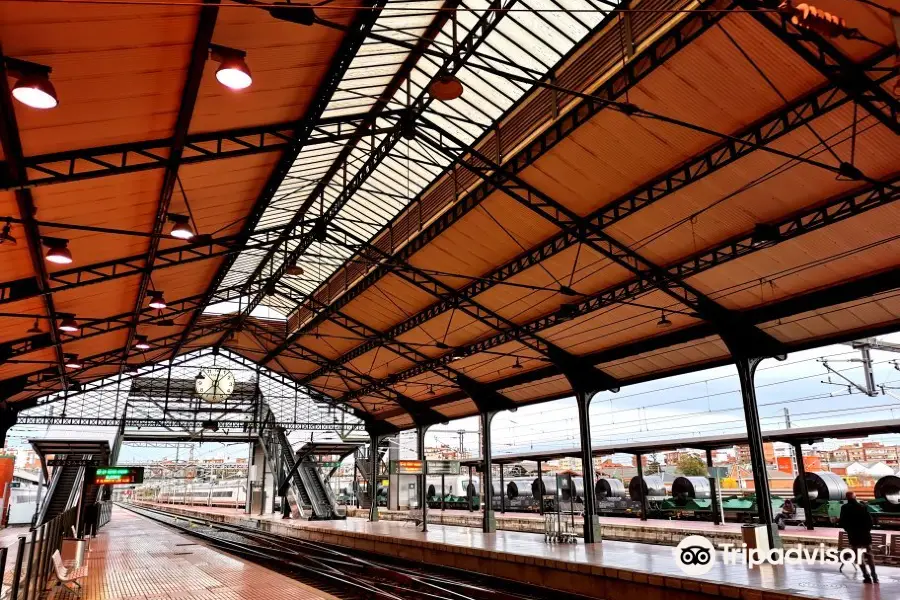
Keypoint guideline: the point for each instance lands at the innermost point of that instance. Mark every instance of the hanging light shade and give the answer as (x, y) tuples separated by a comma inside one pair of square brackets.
[(181, 227), (6, 236), (141, 343), (295, 270), (36, 328), (664, 322), (58, 251), (446, 87), (156, 300), (35, 91), (233, 71), (518, 365), (68, 323), (72, 362)]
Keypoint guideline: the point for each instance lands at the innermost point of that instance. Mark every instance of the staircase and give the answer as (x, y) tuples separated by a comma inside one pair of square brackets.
[(65, 487), (307, 494), (364, 465)]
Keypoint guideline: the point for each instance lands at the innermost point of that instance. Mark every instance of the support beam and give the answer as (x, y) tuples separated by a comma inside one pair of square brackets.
[(209, 12), (746, 368), (11, 144), (840, 208), (423, 481), (591, 520), (451, 65), (805, 500), (374, 440), (717, 516), (303, 128), (133, 157), (642, 487), (489, 523)]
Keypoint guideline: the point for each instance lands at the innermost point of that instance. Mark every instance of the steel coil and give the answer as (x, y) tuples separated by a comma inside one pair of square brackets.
[(690, 488), (822, 486), (887, 488), (652, 484), (519, 488), (607, 487)]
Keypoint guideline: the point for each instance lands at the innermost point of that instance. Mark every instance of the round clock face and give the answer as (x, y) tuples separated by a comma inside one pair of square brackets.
[(214, 384)]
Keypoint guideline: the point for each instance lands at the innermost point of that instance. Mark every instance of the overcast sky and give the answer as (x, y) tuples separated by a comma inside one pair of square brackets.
[(703, 403)]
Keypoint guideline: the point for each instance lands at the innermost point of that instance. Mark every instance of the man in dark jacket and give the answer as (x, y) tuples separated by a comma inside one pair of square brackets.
[(857, 522)]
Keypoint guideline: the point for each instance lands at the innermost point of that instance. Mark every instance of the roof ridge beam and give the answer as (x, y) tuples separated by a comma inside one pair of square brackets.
[(482, 28), (655, 54), (362, 24), (206, 24)]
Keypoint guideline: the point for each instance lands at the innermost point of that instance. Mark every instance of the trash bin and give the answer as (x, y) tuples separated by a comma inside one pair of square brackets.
[(755, 537)]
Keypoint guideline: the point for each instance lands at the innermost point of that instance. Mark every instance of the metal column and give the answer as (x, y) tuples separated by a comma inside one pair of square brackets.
[(469, 494), (250, 458), (423, 483), (502, 492), (746, 368), (489, 524), (540, 490), (643, 496), (713, 490), (804, 492), (373, 479), (591, 520)]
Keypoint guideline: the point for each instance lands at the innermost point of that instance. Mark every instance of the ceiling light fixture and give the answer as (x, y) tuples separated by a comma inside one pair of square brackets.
[(156, 300), (446, 87), (664, 322), (295, 270), (293, 13), (764, 234), (233, 71), (36, 328), (33, 87), (518, 365), (67, 322), (72, 362), (57, 251), (6, 236), (141, 343), (181, 226)]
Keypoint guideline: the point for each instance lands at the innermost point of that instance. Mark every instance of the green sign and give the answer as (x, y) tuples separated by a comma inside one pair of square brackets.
[(329, 464)]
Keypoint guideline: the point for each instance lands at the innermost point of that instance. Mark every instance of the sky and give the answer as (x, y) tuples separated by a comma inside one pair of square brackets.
[(698, 404)]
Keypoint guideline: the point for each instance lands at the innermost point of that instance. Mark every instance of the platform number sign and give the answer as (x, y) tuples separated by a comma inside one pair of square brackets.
[(115, 475)]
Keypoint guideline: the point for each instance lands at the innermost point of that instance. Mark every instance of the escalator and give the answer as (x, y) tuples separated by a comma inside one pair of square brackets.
[(63, 493), (306, 492)]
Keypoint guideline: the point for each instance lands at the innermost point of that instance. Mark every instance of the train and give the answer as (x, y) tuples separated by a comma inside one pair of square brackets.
[(231, 494), (687, 497)]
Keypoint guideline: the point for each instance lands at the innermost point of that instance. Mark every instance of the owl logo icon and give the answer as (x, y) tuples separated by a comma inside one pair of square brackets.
[(695, 555)]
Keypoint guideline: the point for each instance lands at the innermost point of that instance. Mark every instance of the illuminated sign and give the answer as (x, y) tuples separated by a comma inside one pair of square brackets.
[(115, 475), (407, 467), (443, 467)]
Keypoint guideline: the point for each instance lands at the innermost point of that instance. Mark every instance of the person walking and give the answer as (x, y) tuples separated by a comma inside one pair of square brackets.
[(857, 522)]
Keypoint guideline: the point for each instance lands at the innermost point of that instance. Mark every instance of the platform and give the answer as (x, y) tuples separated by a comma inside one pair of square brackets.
[(624, 529), (611, 570), (135, 558)]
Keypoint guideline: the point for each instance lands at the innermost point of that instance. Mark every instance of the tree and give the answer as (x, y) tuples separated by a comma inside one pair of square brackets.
[(691, 466), (653, 465)]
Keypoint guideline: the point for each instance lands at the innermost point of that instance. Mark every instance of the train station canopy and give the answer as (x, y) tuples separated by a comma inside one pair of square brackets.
[(419, 210)]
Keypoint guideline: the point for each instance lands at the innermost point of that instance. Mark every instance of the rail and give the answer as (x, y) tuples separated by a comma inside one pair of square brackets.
[(32, 557)]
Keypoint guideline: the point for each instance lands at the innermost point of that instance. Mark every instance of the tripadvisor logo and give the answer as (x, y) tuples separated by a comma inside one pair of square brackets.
[(696, 555)]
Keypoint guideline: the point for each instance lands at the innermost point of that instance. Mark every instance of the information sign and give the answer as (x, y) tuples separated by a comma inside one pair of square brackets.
[(443, 467), (115, 475), (407, 467)]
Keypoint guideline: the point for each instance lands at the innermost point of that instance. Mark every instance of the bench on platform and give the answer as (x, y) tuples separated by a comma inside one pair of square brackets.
[(880, 550), (65, 575)]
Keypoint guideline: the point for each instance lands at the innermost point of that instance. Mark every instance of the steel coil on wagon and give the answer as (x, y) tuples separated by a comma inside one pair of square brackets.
[(822, 486), (544, 486), (567, 483), (519, 488), (887, 489), (690, 488), (608, 488), (653, 487)]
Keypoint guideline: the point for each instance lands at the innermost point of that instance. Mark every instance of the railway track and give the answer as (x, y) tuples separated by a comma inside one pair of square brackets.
[(357, 576)]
